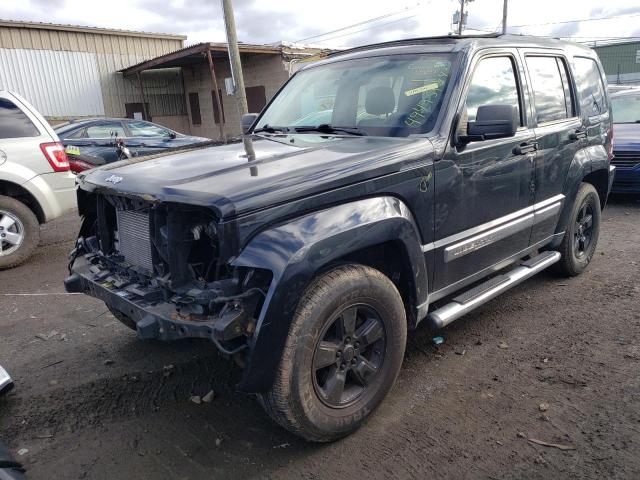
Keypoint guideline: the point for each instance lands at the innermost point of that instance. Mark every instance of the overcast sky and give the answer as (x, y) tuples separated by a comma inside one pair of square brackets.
[(267, 21)]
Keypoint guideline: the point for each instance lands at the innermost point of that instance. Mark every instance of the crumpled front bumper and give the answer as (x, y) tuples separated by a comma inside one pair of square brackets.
[(154, 317)]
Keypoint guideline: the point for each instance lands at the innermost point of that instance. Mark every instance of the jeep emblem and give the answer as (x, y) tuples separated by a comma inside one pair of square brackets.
[(113, 179)]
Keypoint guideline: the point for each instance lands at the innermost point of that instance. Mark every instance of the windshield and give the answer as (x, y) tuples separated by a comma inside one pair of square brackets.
[(626, 108), (391, 96)]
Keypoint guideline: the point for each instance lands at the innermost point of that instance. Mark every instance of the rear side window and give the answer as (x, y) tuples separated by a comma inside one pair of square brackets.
[(493, 83), (551, 92), (14, 123), (590, 87), (105, 130)]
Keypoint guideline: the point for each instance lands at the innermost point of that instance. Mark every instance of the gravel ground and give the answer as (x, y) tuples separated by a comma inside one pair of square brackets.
[(553, 360)]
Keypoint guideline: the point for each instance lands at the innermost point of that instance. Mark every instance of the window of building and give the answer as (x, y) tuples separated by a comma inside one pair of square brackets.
[(590, 86), (493, 83), (216, 112), (14, 123), (549, 92), (194, 106), (256, 98), (136, 110)]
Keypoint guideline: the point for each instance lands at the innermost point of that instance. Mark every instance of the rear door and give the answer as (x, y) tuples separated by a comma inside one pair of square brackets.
[(483, 189), (559, 134), (21, 134)]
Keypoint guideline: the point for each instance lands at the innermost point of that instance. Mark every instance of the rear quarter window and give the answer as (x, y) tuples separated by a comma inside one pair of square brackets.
[(14, 123), (590, 86)]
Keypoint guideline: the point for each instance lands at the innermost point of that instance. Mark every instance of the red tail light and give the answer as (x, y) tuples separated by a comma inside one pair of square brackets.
[(78, 166), (55, 154)]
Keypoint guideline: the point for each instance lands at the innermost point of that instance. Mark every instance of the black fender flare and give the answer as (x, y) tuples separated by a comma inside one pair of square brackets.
[(295, 251), (585, 162)]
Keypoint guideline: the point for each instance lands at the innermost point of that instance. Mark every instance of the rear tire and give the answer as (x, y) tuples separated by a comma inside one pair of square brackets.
[(581, 238), (19, 232), (343, 354)]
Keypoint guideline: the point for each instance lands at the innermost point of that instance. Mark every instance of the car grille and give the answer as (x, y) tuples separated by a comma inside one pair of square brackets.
[(134, 241), (626, 159)]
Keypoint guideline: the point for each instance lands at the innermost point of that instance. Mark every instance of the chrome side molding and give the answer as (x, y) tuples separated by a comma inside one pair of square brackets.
[(473, 298), (495, 229)]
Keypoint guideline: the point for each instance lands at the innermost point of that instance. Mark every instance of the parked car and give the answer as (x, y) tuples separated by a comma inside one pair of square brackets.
[(93, 142), (36, 185), (442, 180), (626, 140)]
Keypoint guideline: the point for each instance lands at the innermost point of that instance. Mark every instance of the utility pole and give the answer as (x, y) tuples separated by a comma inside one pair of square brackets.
[(236, 68), (461, 17), (504, 17)]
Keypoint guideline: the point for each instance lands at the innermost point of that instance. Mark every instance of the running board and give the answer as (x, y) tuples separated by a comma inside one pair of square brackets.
[(471, 299)]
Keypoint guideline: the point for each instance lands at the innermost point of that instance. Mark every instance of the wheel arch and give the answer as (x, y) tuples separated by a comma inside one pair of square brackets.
[(13, 190), (362, 231)]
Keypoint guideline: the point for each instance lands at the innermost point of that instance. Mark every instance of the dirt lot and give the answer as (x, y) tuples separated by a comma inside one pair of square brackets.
[(93, 402)]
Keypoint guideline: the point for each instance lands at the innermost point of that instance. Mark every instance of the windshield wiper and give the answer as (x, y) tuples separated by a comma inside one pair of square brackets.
[(269, 129), (328, 128)]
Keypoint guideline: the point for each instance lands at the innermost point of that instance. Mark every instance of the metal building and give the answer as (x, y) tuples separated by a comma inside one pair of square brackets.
[(68, 71), (621, 61), (204, 67)]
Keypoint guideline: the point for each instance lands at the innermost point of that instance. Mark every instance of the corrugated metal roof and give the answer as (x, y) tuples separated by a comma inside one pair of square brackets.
[(86, 29), (193, 54)]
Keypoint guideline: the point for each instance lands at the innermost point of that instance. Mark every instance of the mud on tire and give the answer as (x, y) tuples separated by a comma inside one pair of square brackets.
[(350, 327)]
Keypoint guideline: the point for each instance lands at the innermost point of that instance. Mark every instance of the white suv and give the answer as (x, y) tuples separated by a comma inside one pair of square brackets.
[(36, 185)]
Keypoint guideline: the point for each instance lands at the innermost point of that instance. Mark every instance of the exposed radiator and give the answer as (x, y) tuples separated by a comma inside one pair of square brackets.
[(134, 241)]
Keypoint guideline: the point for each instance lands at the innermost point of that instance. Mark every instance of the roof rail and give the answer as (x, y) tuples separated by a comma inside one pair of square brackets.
[(417, 40)]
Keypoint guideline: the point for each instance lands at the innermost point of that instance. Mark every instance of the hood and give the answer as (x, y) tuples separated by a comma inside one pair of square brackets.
[(285, 168), (626, 136)]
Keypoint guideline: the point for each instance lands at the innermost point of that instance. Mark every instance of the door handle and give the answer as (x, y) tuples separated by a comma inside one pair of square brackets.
[(578, 134), (525, 147)]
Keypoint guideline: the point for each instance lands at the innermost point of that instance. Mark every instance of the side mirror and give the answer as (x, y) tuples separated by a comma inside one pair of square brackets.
[(172, 135), (494, 121), (248, 119)]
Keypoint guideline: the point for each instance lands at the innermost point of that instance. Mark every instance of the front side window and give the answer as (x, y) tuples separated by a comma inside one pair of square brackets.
[(105, 130), (626, 108), (493, 83), (549, 93), (14, 123), (391, 96), (146, 129), (590, 87)]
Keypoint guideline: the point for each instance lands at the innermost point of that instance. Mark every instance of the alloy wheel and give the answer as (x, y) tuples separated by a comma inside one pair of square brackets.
[(349, 356), (583, 233), (11, 233)]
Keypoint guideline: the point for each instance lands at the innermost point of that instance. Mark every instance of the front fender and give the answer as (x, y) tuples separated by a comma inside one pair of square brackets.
[(294, 252)]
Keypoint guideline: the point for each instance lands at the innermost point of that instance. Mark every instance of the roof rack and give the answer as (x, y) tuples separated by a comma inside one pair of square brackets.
[(417, 40)]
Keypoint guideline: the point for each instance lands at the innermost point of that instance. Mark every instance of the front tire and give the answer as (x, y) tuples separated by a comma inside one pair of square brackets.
[(19, 232), (581, 238), (343, 354)]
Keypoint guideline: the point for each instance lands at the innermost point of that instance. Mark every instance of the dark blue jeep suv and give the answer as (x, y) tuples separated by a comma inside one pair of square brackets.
[(382, 187)]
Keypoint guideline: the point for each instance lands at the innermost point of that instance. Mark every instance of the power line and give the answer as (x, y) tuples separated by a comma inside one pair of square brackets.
[(368, 28), (575, 21), (364, 22)]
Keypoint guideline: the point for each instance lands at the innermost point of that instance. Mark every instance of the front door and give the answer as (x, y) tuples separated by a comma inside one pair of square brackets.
[(484, 191)]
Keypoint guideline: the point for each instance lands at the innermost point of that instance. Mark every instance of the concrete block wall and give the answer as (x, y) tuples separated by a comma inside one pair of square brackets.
[(259, 69)]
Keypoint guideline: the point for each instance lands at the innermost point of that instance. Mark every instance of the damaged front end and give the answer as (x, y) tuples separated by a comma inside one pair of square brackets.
[(161, 266)]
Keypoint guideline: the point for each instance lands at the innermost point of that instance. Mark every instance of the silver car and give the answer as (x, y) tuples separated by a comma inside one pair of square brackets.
[(36, 184)]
